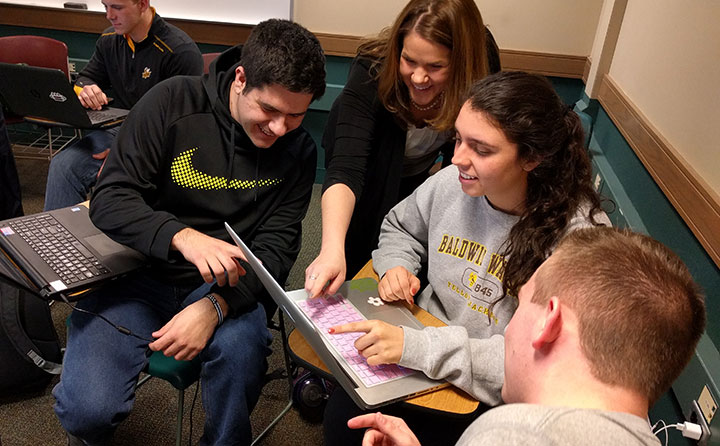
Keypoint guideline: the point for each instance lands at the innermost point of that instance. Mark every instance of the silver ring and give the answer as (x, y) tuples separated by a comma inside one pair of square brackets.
[(312, 277)]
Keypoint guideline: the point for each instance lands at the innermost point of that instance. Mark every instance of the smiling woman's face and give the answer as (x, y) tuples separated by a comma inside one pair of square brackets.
[(488, 162), (424, 68)]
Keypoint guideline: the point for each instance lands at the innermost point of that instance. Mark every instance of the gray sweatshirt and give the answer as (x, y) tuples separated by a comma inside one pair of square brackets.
[(458, 237), (534, 425)]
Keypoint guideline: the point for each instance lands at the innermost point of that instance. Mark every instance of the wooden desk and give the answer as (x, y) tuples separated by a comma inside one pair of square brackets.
[(448, 399)]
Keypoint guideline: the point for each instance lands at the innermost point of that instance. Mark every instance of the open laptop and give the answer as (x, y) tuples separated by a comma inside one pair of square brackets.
[(361, 295), (45, 93), (61, 251)]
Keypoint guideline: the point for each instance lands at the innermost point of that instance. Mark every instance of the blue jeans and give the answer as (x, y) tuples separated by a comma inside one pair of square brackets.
[(101, 366), (73, 171)]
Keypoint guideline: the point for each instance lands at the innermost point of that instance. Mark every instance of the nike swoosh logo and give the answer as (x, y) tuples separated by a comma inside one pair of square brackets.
[(185, 175)]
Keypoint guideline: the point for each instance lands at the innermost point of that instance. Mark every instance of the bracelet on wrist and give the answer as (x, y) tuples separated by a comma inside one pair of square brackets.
[(216, 304)]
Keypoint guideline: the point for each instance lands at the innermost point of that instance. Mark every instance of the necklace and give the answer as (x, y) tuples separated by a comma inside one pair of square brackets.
[(438, 99)]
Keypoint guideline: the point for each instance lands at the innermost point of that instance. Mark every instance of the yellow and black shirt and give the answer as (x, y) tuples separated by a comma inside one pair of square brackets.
[(131, 68)]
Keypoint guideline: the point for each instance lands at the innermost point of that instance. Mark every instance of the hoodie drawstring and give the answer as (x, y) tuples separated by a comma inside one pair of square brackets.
[(232, 164), (257, 169), (232, 154)]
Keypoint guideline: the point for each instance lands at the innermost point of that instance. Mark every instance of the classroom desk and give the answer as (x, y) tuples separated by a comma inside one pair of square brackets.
[(448, 399)]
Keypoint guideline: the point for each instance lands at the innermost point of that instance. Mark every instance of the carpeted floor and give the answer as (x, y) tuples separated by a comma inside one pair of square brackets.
[(30, 421)]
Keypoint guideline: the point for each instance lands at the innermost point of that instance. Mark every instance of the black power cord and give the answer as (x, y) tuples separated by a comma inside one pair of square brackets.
[(124, 330)]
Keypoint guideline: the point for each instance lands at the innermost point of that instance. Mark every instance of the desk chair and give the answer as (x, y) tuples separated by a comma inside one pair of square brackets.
[(40, 52), (183, 374), (180, 374), (289, 368), (207, 60), (36, 51), (449, 399)]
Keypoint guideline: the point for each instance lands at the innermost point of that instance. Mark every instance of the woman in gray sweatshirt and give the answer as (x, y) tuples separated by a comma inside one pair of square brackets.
[(478, 229)]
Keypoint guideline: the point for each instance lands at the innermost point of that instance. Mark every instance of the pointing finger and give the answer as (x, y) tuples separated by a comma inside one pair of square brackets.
[(362, 326)]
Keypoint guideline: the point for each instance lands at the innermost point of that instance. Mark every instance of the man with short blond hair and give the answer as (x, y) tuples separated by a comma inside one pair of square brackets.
[(603, 328), (139, 51)]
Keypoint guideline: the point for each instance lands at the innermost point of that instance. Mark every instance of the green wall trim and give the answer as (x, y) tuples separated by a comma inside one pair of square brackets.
[(641, 205), (703, 370), (658, 215), (332, 91)]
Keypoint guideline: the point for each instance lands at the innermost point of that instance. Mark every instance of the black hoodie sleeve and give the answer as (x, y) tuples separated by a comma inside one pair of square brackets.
[(276, 242), (121, 202)]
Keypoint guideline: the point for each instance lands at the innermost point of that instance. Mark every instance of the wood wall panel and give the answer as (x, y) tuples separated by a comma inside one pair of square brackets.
[(231, 34)]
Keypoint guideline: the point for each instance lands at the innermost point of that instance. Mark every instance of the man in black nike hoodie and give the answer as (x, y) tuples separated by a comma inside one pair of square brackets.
[(194, 153)]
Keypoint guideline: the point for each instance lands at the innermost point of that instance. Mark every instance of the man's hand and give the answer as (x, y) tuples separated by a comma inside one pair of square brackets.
[(212, 257), (92, 97), (384, 430), (327, 267), (382, 343), (101, 156), (398, 284), (187, 333)]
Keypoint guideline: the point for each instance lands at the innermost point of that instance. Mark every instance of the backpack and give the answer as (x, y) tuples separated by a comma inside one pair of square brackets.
[(29, 347)]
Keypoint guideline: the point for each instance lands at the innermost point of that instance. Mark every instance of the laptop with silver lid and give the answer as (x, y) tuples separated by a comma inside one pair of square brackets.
[(358, 293)]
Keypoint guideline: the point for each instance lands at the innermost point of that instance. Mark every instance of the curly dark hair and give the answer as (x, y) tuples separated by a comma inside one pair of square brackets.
[(284, 53), (528, 111)]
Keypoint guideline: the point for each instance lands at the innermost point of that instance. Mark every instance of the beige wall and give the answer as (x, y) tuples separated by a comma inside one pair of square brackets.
[(548, 26), (667, 61)]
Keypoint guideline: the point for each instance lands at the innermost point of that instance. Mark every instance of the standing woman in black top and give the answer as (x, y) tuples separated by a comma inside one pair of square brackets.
[(390, 123)]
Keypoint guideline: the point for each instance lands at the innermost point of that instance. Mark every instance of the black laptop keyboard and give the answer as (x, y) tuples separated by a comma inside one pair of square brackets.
[(103, 115), (61, 250)]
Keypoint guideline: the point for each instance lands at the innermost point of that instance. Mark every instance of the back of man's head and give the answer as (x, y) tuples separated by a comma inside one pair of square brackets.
[(284, 53), (640, 314)]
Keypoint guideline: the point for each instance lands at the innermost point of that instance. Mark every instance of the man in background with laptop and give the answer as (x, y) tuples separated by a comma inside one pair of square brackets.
[(138, 52), (196, 152), (602, 330)]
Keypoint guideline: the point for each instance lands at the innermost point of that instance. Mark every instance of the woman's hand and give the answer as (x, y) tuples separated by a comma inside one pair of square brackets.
[(382, 343), (325, 274), (398, 284)]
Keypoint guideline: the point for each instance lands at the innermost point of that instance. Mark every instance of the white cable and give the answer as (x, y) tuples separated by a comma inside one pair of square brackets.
[(688, 429), (654, 426), (664, 428)]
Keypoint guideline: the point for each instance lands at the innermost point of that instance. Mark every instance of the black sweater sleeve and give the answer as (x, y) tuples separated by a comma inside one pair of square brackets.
[(120, 203), (351, 129)]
